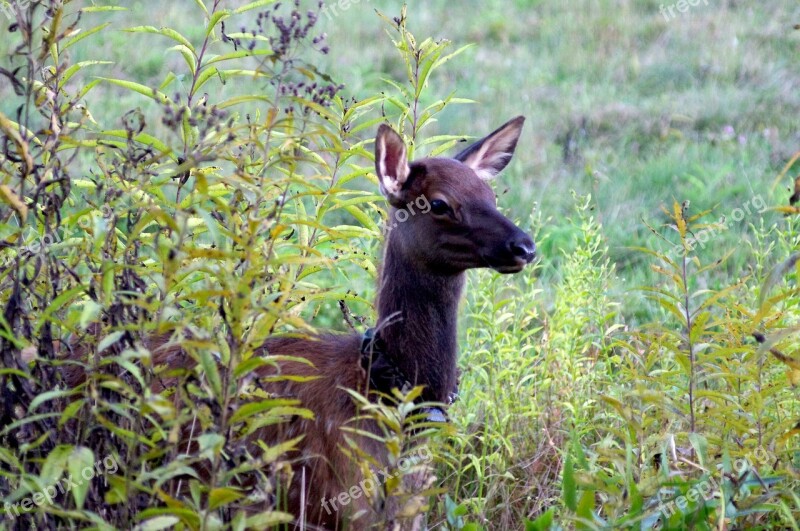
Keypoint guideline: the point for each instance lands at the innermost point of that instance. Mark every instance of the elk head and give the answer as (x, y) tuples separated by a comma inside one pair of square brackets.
[(444, 215)]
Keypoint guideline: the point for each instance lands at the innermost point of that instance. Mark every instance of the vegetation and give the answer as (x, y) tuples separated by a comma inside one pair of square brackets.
[(203, 170)]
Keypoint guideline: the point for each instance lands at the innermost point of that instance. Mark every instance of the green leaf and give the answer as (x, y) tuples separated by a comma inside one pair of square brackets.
[(202, 6), (269, 520), (189, 517), (187, 54), (700, 445), (251, 364), (166, 32), (82, 35), (210, 445), (62, 299), (222, 496), (81, 460), (89, 86), (543, 523), (55, 464), (586, 507), (158, 523), (168, 79), (89, 313), (143, 138), (248, 410), (206, 73), (362, 217), (273, 453), (70, 411), (209, 365), (109, 340), (160, 97), (236, 55), (102, 9), (253, 5), (215, 19), (48, 396), (569, 488)]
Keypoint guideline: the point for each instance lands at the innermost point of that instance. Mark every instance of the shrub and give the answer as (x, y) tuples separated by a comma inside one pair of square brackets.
[(212, 222)]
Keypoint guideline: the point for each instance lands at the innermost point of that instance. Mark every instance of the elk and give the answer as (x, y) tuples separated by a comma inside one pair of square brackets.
[(426, 255)]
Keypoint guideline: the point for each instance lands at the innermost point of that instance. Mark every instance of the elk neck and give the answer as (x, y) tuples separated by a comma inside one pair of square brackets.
[(417, 318)]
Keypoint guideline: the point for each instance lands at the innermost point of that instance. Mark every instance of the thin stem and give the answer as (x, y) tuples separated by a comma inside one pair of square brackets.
[(688, 315), (199, 62)]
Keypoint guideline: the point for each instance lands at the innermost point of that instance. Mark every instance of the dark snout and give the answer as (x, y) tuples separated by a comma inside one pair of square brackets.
[(519, 252), (513, 249), (522, 247)]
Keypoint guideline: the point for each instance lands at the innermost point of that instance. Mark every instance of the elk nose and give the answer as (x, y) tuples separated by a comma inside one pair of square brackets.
[(523, 247)]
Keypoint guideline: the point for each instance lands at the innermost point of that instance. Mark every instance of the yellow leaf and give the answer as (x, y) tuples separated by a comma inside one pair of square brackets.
[(206, 253), (222, 496), (788, 360), (788, 435), (677, 216), (414, 506), (8, 196), (392, 484), (12, 130)]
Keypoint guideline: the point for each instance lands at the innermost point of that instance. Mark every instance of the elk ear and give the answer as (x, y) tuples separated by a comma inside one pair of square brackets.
[(391, 162), (488, 156)]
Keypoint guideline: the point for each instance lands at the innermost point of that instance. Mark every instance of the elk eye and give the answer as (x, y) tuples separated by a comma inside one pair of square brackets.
[(439, 207)]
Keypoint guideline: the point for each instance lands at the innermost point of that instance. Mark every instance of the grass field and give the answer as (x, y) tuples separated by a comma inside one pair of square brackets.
[(623, 104), (582, 393)]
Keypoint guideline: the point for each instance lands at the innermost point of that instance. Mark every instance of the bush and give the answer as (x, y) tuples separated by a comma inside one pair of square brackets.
[(209, 222)]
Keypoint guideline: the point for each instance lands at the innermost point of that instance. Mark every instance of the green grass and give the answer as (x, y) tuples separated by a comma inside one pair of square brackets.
[(621, 103)]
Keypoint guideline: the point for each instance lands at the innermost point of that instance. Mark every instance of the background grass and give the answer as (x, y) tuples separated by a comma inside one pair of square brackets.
[(621, 103)]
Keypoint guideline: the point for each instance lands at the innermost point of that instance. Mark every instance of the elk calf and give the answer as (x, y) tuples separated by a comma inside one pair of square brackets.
[(419, 287)]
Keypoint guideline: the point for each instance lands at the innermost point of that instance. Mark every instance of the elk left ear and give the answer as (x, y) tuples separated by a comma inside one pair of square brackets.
[(391, 163), (488, 156)]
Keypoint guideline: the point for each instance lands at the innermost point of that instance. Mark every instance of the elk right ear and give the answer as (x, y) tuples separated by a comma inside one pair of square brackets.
[(489, 155), (391, 163)]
